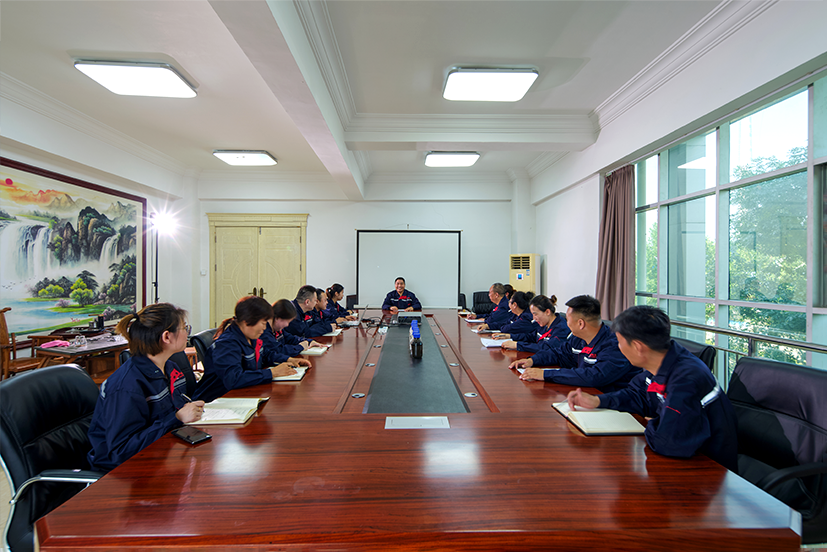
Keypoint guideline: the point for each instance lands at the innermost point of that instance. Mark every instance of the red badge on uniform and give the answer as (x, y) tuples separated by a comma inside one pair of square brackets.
[(656, 387), (259, 343), (173, 377), (307, 317), (403, 298)]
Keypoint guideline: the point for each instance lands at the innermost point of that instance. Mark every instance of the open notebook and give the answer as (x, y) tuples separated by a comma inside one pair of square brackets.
[(300, 372), (600, 421), (229, 411), (315, 351)]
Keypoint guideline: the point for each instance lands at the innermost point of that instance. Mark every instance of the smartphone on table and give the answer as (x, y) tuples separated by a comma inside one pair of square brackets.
[(191, 435)]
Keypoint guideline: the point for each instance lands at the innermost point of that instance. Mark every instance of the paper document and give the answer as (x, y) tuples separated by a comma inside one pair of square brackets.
[(300, 372), (476, 321), (477, 331), (314, 351), (600, 421), (334, 333), (491, 342), (229, 411)]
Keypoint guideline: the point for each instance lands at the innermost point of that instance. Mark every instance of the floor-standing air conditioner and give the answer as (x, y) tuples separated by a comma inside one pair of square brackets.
[(524, 274)]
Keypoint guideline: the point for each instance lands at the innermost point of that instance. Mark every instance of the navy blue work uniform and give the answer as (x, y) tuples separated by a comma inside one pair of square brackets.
[(689, 412), (277, 347), (401, 302), (136, 406), (597, 364), (306, 324), (553, 335), (233, 365), (522, 324), (334, 310), (499, 316)]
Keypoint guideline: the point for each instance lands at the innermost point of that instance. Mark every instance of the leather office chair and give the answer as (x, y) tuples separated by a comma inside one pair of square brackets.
[(43, 444), (461, 302), (202, 341), (482, 304), (9, 363), (782, 436), (350, 302), (182, 361), (701, 350)]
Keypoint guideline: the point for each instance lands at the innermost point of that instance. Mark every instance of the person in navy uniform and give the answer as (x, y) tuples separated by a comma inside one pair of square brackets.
[(279, 346), (401, 299), (550, 329), (500, 315), (233, 356), (590, 357), (688, 411), (144, 398), (335, 311), (306, 324), (521, 320)]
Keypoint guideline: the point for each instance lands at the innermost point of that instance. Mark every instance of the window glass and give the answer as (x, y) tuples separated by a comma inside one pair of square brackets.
[(821, 230), (820, 118), (769, 139), (768, 241), (646, 181), (692, 166), (648, 301), (820, 337), (691, 239), (697, 313), (646, 253), (786, 324)]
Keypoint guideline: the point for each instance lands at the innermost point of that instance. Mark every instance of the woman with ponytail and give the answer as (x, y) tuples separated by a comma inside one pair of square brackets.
[(144, 398), (334, 310), (553, 328), (232, 358), (521, 321)]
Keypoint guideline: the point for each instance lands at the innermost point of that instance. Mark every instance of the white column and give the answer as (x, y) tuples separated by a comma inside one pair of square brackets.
[(522, 213)]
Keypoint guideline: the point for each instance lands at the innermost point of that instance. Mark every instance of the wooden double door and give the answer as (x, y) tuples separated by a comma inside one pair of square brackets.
[(255, 254)]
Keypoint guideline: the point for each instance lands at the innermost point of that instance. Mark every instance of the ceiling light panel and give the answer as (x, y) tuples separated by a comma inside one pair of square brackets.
[(137, 79), (246, 158), (451, 158), (488, 85)]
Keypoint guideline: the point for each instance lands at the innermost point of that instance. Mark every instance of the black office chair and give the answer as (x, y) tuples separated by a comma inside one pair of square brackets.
[(182, 361), (202, 341), (701, 350), (461, 302), (43, 444), (782, 436), (482, 304), (350, 302)]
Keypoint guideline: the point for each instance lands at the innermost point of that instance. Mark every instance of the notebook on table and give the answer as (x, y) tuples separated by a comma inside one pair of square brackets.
[(600, 421), (229, 411)]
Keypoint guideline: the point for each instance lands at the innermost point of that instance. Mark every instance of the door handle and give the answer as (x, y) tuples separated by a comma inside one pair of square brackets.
[(261, 292), (255, 291)]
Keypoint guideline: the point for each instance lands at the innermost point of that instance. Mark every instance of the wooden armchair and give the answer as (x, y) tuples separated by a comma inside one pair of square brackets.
[(9, 362)]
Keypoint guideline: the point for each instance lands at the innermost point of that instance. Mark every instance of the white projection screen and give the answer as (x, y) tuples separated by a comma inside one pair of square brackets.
[(429, 260)]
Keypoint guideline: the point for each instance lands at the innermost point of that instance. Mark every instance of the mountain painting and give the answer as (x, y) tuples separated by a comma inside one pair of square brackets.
[(69, 250)]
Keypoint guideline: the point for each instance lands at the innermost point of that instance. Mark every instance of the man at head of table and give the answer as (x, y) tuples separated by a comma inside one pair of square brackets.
[(688, 411), (401, 299), (590, 356)]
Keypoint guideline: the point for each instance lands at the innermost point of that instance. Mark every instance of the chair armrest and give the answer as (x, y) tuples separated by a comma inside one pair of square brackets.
[(64, 476), (793, 472)]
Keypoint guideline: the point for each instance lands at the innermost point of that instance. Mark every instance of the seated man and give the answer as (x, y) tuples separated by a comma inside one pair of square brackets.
[(590, 357), (500, 315), (305, 324), (689, 412), (401, 300)]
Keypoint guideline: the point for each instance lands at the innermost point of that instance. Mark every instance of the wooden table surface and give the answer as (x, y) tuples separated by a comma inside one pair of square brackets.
[(310, 471)]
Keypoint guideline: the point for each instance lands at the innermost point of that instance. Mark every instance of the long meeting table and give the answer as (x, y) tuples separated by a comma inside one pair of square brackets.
[(311, 471)]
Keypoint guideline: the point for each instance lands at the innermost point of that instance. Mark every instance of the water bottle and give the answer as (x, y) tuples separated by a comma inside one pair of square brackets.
[(414, 340)]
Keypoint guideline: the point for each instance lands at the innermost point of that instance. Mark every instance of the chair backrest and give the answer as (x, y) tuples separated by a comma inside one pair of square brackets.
[(44, 419), (350, 302), (202, 341), (782, 417), (461, 302), (701, 350), (5, 338), (482, 304)]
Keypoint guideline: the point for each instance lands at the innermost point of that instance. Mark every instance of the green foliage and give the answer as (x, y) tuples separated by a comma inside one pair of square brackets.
[(51, 291), (79, 284), (122, 288), (88, 279), (82, 296)]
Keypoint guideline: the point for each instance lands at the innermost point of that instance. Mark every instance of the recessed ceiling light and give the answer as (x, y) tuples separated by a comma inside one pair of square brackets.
[(138, 78), (246, 158), (451, 158), (469, 84)]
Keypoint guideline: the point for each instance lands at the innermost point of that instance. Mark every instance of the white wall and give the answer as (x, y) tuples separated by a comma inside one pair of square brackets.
[(567, 238), (331, 237)]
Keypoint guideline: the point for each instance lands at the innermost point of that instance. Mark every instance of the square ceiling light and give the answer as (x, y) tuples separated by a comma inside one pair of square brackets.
[(451, 158), (246, 158), (470, 84), (137, 79)]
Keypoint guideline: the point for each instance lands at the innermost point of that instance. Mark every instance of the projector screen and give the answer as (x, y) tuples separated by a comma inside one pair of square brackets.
[(429, 260)]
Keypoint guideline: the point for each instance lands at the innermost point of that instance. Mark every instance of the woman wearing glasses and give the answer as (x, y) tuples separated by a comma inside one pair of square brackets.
[(144, 398), (233, 360)]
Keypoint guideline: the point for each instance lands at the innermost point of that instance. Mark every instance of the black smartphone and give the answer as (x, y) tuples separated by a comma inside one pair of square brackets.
[(191, 435)]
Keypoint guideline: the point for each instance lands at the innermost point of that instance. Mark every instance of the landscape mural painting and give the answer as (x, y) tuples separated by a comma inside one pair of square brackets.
[(69, 250)]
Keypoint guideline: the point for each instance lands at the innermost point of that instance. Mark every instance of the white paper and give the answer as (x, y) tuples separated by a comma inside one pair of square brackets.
[(300, 370), (491, 343)]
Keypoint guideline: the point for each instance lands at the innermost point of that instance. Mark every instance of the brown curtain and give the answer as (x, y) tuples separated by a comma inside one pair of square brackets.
[(615, 254)]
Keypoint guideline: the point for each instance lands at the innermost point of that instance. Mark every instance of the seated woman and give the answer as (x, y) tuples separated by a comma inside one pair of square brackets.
[(279, 346), (501, 314), (144, 398), (334, 310), (232, 355), (553, 328), (521, 320), (400, 299)]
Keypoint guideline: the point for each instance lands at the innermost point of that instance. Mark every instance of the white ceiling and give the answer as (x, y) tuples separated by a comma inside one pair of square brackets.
[(344, 88)]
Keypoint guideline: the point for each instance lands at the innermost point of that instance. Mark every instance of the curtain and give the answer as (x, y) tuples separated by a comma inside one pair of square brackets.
[(615, 263)]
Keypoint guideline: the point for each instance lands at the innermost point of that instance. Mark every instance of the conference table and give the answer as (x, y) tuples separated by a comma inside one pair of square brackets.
[(311, 471)]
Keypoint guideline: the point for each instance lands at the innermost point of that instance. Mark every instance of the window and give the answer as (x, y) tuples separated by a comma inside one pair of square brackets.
[(724, 234)]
